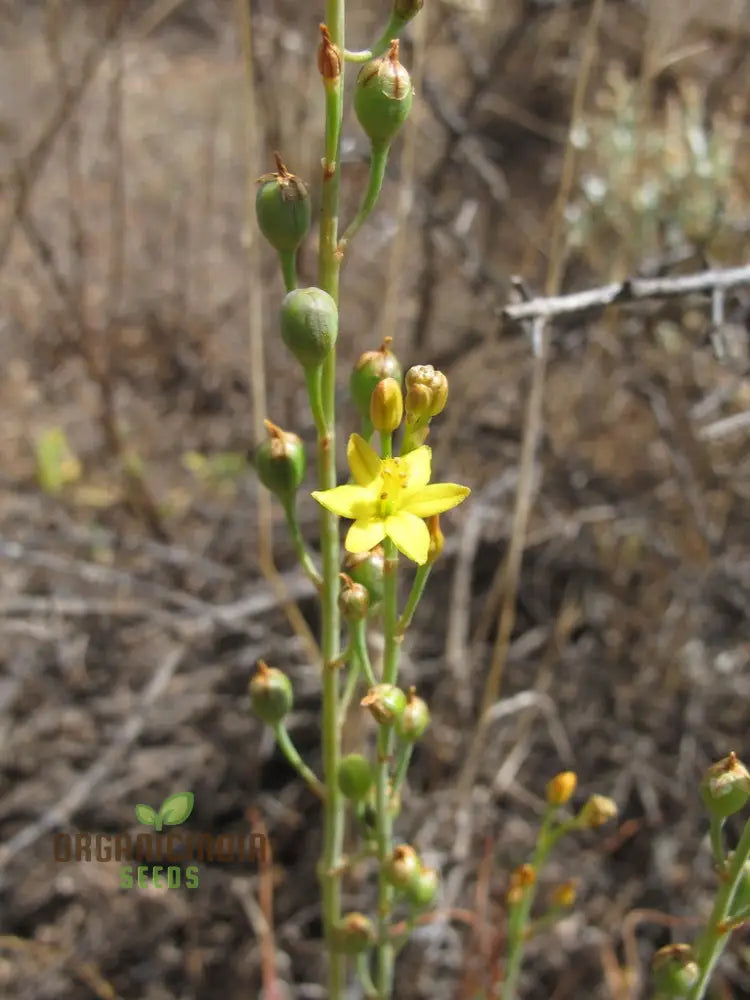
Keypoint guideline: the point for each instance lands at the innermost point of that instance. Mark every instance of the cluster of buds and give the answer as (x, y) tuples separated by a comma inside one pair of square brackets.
[(389, 706), (522, 879), (415, 881)]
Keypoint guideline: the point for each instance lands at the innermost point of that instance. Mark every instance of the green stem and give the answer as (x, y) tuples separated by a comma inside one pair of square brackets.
[(403, 758), (384, 818), (359, 645), (378, 163), (350, 687), (314, 382), (518, 916), (363, 973), (289, 268), (714, 939), (328, 280), (392, 30), (287, 747), (417, 589), (306, 560)]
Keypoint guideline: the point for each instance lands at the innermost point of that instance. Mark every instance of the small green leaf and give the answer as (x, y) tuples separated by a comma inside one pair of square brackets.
[(56, 464), (145, 814), (176, 808)]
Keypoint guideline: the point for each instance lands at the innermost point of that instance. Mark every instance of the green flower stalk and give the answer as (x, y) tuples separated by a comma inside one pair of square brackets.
[(392, 503), (382, 102)]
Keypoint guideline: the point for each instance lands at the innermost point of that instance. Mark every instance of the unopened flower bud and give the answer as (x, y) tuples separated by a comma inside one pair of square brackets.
[(561, 788), (402, 867), (371, 368), (383, 96), (726, 787), (423, 888), (329, 58), (437, 538), (270, 694), (414, 719), (355, 776), (353, 600), (675, 970), (386, 406), (596, 812), (405, 10), (386, 703), (564, 895), (367, 568), (521, 879), (309, 325), (282, 207), (353, 934), (426, 393), (280, 462)]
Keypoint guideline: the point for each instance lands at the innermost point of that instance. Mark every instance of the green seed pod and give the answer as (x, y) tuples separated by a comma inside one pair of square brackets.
[(383, 96), (726, 787), (309, 325), (367, 568), (402, 867), (423, 888), (353, 600), (271, 694), (371, 368), (675, 970), (280, 462), (355, 776), (386, 406), (353, 934), (282, 207), (415, 718), (405, 10), (386, 703)]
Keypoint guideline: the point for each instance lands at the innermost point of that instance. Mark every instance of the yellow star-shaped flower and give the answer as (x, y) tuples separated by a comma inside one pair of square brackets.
[(391, 497)]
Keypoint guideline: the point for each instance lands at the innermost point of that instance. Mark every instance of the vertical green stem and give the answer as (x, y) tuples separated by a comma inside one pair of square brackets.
[(384, 819), (518, 916), (328, 280), (306, 560), (714, 939), (415, 596)]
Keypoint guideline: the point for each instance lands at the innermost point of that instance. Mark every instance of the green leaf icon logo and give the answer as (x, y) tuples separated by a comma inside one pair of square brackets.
[(145, 814), (175, 809)]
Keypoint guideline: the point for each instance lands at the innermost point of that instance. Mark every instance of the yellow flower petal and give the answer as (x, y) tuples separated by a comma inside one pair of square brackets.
[(364, 535), (433, 499), (347, 501), (418, 466), (410, 535), (363, 460)]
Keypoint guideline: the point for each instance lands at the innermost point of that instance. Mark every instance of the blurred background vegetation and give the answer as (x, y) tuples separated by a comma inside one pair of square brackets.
[(139, 353)]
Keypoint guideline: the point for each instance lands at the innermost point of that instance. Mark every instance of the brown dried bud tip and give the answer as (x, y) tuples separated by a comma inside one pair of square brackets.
[(329, 58)]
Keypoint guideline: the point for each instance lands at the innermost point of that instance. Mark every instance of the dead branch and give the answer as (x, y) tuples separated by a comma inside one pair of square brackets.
[(712, 282)]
